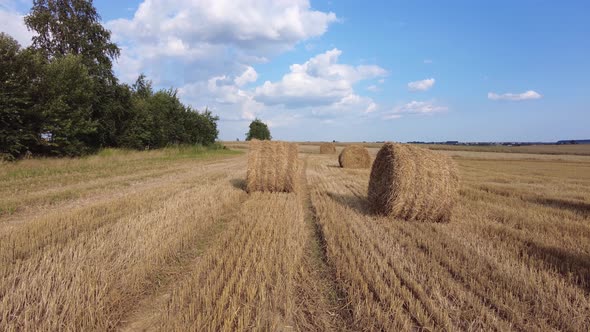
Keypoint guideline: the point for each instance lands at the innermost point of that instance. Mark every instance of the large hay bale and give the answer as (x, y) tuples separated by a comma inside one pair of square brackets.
[(354, 156), (327, 148), (272, 166), (413, 183)]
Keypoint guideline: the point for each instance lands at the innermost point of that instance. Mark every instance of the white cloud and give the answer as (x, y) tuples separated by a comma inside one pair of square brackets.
[(248, 76), (248, 23), (427, 61), (528, 95), (320, 89), (12, 23), (371, 108), (373, 88), (319, 81), (209, 48), (391, 116), (212, 37), (422, 85), (420, 107), (415, 108), (223, 95)]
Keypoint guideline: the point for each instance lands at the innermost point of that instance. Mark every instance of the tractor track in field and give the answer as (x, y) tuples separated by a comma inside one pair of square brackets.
[(142, 316), (334, 296)]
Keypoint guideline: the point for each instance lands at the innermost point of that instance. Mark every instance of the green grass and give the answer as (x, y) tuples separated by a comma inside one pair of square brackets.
[(106, 160), (48, 181)]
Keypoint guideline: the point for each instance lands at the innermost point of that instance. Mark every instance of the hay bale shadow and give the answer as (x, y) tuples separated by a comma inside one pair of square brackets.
[(359, 204), (238, 183), (574, 206), (568, 264)]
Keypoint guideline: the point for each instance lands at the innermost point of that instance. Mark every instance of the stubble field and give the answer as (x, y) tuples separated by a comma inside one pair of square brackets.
[(169, 240)]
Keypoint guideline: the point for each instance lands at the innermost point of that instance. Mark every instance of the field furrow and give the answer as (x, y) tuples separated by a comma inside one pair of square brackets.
[(172, 243), (254, 277), (91, 279), (457, 275)]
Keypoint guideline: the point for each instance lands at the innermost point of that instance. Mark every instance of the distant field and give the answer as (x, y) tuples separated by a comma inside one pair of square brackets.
[(169, 240), (574, 149)]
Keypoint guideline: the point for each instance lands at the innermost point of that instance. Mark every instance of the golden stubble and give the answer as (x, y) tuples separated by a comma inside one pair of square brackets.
[(184, 247)]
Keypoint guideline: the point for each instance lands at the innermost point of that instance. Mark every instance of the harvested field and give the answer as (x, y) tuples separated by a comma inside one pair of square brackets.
[(172, 241), (508, 259)]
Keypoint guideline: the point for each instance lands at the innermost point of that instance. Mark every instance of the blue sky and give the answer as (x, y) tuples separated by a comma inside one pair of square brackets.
[(360, 71)]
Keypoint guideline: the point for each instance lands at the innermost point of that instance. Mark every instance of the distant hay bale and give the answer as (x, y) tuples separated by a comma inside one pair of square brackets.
[(327, 148), (272, 166), (413, 183), (354, 156)]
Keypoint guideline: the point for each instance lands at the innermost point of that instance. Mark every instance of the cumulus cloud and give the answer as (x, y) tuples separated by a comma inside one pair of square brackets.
[(248, 76), (223, 95), (12, 23), (320, 88), (422, 85), (217, 36), (319, 81), (210, 49), (247, 23), (528, 95)]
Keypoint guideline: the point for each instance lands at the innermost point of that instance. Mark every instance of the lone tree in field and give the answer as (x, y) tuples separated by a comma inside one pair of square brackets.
[(258, 130)]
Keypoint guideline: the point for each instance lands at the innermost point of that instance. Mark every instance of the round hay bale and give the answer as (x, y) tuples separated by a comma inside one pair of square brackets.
[(327, 148), (272, 166), (354, 156), (413, 183)]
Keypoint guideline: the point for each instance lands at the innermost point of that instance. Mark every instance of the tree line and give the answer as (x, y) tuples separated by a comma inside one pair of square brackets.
[(60, 97)]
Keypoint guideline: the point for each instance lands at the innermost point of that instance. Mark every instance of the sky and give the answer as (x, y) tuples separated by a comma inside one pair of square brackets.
[(361, 71)]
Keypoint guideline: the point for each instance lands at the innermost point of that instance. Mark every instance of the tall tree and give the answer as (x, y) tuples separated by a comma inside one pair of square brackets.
[(258, 130), (19, 77), (65, 103), (73, 27)]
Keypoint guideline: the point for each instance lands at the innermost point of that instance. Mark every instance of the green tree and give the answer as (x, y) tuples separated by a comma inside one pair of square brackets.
[(65, 104), (73, 27), (258, 130), (160, 119), (19, 77)]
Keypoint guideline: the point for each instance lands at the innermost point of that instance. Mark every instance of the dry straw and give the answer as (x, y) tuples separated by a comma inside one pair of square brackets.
[(272, 166), (354, 156), (327, 148), (413, 183)]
